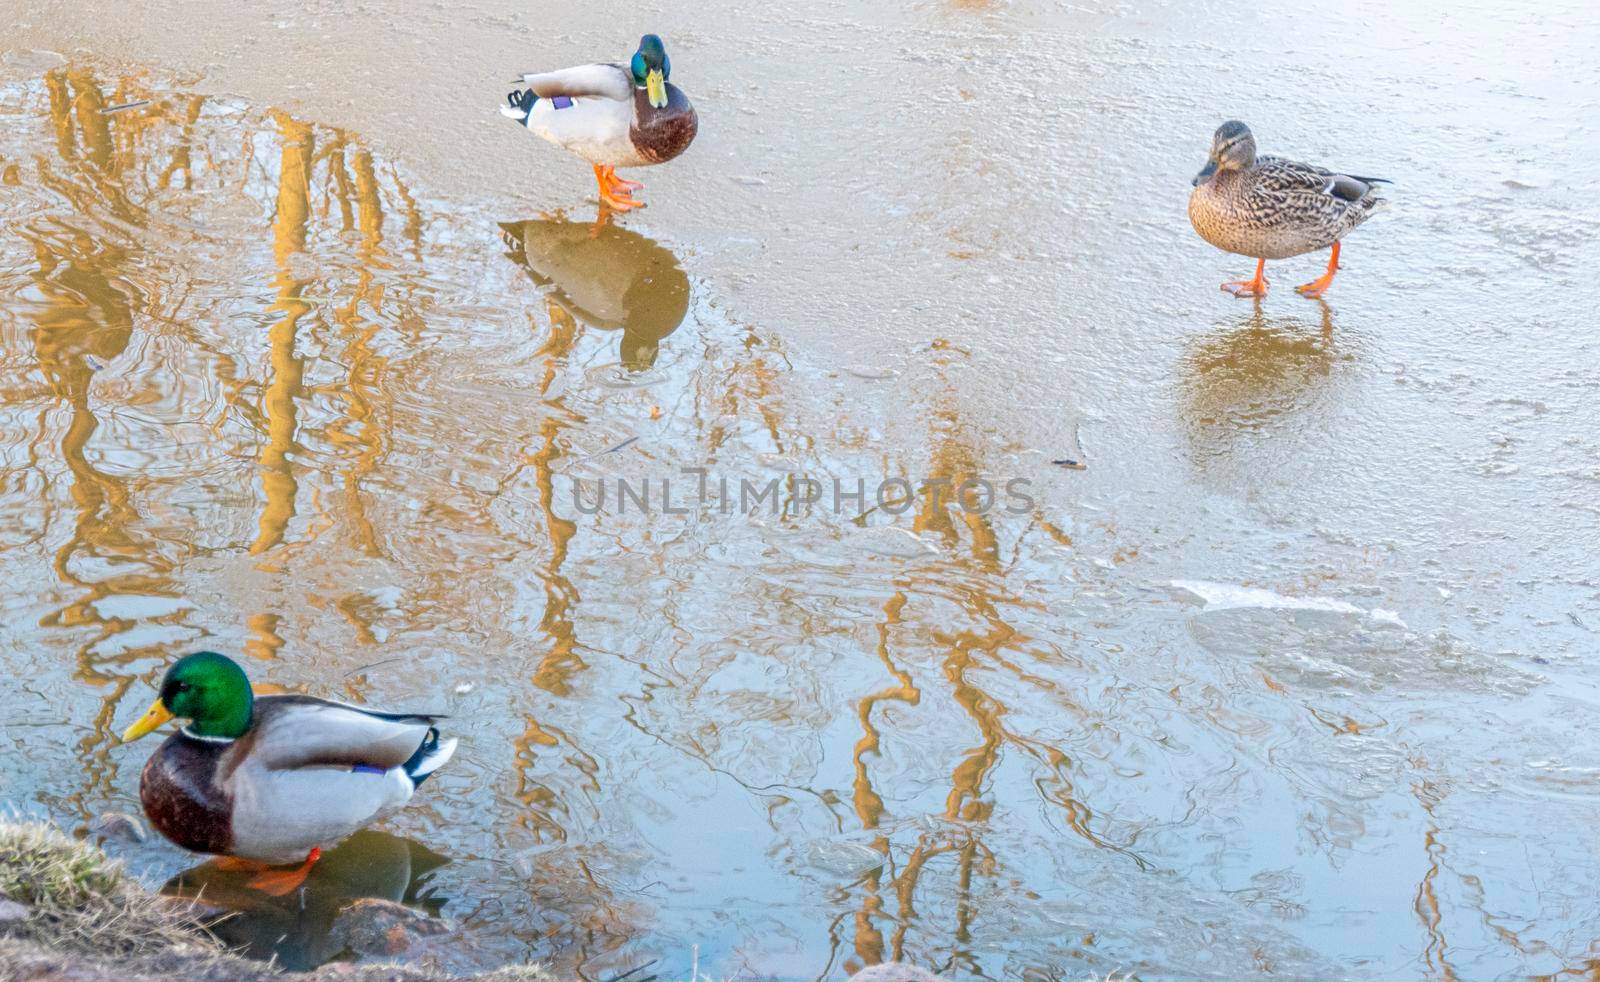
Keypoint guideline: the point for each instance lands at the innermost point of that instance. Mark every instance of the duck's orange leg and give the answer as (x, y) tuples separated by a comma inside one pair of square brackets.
[(281, 882), (1316, 287), (1250, 288), (613, 191)]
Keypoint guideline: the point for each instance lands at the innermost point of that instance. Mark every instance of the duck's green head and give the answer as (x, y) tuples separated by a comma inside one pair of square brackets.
[(651, 69), (1232, 148), (205, 688)]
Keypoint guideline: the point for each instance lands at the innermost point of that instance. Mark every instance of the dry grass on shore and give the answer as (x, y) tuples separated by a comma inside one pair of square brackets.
[(81, 901)]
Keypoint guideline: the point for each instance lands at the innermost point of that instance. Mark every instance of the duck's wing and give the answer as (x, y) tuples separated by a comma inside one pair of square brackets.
[(1279, 174), (591, 81), (293, 731)]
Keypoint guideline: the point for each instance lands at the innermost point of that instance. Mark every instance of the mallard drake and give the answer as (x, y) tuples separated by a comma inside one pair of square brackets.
[(272, 780), (610, 115), (1272, 208)]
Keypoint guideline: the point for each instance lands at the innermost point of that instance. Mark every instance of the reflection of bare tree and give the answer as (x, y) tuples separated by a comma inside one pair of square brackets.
[(182, 155), (869, 806), (1436, 954), (88, 103), (84, 321), (288, 238), (413, 213), (561, 660), (988, 643), (366, 365), (61, 114)]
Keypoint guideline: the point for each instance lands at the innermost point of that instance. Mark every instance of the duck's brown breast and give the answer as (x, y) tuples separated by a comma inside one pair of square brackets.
[(1221, 220), (661, 134), (181, 797), (1239, 215), (1217, 216)]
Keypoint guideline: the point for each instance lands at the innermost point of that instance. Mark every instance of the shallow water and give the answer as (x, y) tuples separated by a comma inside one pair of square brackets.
[(327, 367)]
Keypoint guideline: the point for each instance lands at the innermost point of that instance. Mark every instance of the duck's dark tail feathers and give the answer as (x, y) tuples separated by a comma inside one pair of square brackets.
[(519, 105), (429, 757)]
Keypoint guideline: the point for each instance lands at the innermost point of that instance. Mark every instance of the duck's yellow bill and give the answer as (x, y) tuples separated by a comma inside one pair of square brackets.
[(157, 715), (656, 84)]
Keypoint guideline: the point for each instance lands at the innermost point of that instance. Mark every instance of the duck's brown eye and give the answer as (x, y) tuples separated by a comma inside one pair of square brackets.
[(184, 687)]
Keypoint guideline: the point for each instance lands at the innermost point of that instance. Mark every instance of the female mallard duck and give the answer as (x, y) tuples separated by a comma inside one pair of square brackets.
[(271, 780), (610, 115), (1272, 208)]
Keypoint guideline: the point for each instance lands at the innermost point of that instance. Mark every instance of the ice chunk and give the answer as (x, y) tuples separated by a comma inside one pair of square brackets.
[(1227, 596)]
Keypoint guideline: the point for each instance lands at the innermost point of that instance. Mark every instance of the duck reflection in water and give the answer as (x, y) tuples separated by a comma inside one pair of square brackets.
[(298, 929), (1260, 376), (607, 277)]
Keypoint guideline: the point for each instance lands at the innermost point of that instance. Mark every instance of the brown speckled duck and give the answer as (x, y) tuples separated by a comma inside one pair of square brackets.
[(1271, 208), (272, 780), (610, 115)]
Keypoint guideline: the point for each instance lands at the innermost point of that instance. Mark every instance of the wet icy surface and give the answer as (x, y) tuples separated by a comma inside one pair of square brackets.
[(1297, 676)]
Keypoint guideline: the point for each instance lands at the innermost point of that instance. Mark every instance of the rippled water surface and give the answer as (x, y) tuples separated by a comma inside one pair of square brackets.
[(1297, 676)]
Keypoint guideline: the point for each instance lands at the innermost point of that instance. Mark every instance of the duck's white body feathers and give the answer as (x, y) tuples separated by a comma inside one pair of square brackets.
[(275, 820), (587, 110), (605, 81)]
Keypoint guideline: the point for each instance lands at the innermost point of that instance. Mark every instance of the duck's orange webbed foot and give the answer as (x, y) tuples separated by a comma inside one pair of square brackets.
[(1315, 288), (1318, 286), (282, 882), (1246, 288), (614, 190), (1250, 288)]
